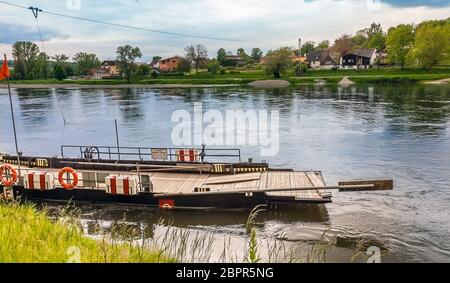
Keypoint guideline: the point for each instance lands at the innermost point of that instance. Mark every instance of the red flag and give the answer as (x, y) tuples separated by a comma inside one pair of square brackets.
[(4, 71)]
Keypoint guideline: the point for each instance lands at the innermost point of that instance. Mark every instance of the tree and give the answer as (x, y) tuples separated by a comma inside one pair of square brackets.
[(184, 66), (278, 61), (41, 69), (342, 46), (371, 37), (126, 57), (85, 62), (324, 44), (256, 54), (25, 55), (214, 67), (197, 55), (221, 56), (308, 47), (431, 45), (60, 73), (144, 70), (399, 42), (156, 58), (241, 54), (300, 68), (60, 58), (377, 41)]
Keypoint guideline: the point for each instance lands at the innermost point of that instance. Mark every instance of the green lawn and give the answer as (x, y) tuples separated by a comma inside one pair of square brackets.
[(29, 236)]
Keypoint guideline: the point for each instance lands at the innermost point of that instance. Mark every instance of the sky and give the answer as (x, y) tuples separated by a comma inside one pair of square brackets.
[(266, 24)]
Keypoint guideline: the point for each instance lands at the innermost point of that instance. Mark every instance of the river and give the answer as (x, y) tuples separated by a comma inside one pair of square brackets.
[(400, 132)]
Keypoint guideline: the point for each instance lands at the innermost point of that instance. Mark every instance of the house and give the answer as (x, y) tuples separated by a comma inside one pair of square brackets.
[(169, 64), (362, 58), (294, 58), (382, 57), (321, 59), (154, 64), (110, 68), (231, 60)]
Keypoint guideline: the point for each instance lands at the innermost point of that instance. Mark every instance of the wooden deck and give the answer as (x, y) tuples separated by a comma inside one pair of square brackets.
[(170, 183)]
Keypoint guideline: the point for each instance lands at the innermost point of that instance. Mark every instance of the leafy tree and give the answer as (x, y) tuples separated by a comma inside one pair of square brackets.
[(377, 41), (214, 67), (41, 68), (126, 57), (256, 54), (278, 61), (300, 68), (371, 37), (324, 44), (197, 55), (156, 58), (221, 56), (431, 46), (60, 73), (69, 71), (184, 66), (342, 46), (241, 54), (25, 55), (60, 58), (308, 47), (144, 70), (85, 62), (399, 42)]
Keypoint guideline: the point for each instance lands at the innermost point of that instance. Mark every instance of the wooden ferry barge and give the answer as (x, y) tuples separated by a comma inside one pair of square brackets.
[(168, 178)]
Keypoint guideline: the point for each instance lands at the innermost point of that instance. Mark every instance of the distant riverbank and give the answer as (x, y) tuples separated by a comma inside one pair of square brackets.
[(246, 77)]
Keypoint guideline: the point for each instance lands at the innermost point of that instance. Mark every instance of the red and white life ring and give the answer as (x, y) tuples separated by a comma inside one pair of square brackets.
[(68, 185), (8, 175)]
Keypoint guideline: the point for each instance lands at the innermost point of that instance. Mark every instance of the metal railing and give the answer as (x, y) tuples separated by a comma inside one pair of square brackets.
[(148, 153)]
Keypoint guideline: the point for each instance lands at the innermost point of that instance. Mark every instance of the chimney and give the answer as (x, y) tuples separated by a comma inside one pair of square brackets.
[(300, 47)]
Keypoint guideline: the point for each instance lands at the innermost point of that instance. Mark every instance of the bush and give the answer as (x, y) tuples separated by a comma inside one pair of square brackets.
[(214, 67), (60, 73)]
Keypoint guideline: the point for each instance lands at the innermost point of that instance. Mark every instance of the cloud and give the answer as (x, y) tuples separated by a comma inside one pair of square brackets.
[(266, 24), (10, 33)]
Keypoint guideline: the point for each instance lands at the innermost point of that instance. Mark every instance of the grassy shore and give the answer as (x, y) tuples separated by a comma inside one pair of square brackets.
[(29, 236), (242, 77)]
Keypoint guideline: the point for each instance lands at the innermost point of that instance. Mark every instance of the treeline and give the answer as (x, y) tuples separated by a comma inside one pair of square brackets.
[(424, 46), (30, 63)]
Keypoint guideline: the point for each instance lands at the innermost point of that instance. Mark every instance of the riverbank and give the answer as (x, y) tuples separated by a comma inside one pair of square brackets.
[(253, 77), (29, 236)]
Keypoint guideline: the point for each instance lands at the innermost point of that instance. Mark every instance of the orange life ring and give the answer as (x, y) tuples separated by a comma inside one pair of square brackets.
[(71, 185), (8, 179)]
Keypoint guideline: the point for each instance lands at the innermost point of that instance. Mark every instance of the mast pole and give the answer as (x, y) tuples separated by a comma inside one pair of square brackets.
[(13, 122)]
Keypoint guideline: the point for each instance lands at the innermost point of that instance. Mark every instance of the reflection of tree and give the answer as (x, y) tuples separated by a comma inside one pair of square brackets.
[(425, 108), (129, 101), (35, 105)]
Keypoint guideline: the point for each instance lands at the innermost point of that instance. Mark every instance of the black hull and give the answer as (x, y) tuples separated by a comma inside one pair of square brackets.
[(236, 201)]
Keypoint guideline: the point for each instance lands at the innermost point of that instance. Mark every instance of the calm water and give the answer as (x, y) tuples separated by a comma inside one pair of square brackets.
[(400, 132)]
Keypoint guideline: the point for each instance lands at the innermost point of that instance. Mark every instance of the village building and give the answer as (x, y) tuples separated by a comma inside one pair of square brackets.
[(110, 68), (362, 58), (169, 65), (321, 59)]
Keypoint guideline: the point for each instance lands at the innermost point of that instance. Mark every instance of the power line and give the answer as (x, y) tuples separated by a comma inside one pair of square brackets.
[(126, 26)]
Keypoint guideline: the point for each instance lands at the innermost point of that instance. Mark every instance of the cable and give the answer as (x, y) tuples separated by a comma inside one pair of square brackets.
[(126, 26), (35, 12)]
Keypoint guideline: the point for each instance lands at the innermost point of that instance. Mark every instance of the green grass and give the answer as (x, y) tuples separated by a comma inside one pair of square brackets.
[(29, 236)]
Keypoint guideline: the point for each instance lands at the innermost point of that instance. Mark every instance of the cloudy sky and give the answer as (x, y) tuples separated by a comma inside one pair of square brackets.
[(241, 23)]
